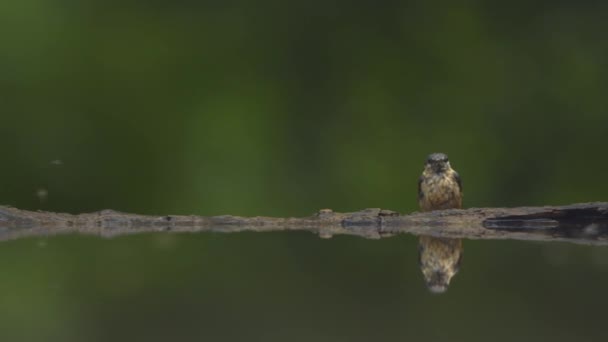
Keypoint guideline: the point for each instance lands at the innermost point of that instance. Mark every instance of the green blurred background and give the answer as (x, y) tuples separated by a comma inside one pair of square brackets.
[(279, 109)]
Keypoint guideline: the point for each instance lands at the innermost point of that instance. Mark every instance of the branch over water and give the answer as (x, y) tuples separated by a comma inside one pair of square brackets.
[(585, 223)]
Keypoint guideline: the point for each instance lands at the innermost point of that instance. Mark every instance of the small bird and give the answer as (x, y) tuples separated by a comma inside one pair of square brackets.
[(439, 188)]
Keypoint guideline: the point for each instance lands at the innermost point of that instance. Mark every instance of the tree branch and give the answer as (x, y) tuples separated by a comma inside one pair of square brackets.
[(585, 223)]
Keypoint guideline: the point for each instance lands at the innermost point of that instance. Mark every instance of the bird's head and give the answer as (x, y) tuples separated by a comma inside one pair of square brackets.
[(437, 163), (437, 281)]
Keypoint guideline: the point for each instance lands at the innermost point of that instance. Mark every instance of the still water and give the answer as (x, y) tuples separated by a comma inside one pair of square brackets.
[(294, 287)]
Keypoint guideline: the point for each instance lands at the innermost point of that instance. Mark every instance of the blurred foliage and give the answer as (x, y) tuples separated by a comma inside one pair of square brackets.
[(283, 108)]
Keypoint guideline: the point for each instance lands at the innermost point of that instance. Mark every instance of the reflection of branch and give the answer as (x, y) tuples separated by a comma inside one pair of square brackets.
[(585, 223)]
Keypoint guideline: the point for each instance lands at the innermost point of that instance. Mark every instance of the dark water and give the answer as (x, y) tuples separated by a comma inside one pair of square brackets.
[(294, 286)]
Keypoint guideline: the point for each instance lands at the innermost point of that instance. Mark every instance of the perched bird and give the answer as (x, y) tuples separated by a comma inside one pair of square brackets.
[(439, 187)]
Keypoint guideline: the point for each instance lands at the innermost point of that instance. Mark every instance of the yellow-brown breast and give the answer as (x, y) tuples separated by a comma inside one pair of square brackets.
[(439, 190)]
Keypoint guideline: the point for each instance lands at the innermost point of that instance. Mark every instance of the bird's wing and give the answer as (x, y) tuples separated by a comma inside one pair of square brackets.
[(458, 180)]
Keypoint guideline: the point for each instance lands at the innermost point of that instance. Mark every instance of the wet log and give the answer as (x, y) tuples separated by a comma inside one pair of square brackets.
[(585, 223)]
